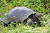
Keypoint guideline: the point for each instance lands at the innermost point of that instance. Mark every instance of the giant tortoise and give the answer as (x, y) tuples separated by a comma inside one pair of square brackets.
[(20, 14)]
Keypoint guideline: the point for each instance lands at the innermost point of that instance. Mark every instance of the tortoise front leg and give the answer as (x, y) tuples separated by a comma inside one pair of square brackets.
[(29, 22)]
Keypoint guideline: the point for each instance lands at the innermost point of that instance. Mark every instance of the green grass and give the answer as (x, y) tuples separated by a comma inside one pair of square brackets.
[(37, 6)]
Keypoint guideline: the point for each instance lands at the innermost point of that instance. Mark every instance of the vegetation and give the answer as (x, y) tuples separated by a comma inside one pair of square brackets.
[(39, 6)]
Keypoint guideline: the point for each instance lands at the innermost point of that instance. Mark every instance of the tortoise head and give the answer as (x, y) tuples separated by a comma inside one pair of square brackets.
[(4, 20), (1, 20), (38, 15)]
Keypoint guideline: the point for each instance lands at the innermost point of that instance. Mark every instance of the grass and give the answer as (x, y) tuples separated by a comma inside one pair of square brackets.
[(37, 6)]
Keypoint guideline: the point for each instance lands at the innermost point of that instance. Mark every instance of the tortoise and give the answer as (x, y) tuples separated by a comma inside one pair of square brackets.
[(21, 14)]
